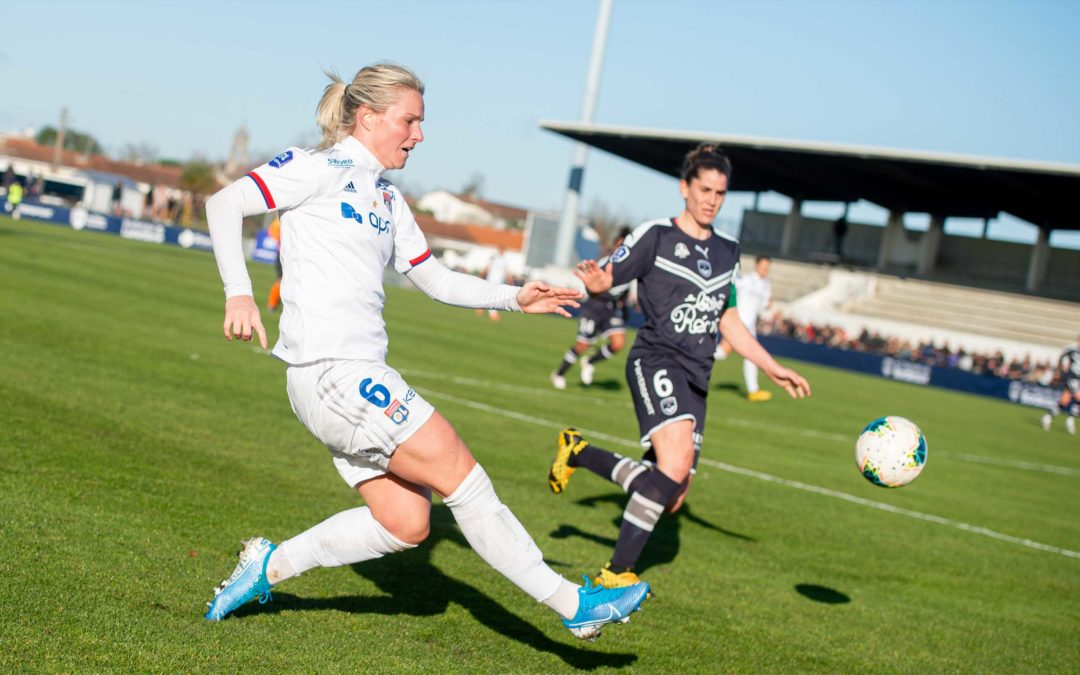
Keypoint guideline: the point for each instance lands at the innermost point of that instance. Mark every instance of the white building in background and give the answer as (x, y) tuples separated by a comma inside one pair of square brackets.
[(448, 207)]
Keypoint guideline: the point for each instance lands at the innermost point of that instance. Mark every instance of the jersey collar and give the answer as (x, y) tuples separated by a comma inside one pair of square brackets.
[(350, 147)]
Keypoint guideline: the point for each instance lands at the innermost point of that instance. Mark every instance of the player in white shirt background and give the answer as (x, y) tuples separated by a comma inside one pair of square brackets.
[(341, 224), (496, 274), (755, 297)]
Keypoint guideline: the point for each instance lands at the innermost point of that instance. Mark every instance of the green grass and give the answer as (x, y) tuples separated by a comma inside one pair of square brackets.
[(138, 447)]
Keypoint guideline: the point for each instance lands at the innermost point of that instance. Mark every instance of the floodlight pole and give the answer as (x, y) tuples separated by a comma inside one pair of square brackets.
[(568, 222), (58, 145)]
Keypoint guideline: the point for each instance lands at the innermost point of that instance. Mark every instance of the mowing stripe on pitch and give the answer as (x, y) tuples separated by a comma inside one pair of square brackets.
[(806, 487), (846, 439)]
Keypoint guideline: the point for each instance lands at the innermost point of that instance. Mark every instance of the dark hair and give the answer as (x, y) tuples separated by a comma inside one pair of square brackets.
[(762, 257), (623, 233), (705, 156)]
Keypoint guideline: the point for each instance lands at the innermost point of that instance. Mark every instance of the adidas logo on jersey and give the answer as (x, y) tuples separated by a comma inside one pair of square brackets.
[(350, 187)]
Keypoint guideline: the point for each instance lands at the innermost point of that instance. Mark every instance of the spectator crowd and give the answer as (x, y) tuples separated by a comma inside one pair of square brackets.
[(995, 365)]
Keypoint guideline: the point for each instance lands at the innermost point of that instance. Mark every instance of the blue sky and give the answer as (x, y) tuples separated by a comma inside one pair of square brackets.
[(987, 78)]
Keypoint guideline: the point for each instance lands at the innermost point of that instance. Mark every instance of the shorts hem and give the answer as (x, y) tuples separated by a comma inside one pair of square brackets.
[(646, 443)]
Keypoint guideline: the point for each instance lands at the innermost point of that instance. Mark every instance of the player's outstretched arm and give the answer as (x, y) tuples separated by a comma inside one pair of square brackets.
[(597, 279), (536, 297), (746, 345), (465, 290)]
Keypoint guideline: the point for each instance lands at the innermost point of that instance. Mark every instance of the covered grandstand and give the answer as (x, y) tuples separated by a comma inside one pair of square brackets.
[(918, 285), (902, 181)]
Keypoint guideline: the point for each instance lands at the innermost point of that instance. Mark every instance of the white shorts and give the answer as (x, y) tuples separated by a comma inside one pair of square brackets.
[(361, 410)]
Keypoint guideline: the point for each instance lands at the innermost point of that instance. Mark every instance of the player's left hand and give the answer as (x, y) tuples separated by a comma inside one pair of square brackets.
[(793, 383), (597, 279), (536, 297)]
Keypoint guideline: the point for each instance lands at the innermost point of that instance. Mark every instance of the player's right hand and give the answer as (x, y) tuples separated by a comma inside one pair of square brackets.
[(596, 279), (793, 383), (242, 318)]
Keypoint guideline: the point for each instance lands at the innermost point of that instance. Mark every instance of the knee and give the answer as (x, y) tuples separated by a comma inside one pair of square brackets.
[(411, 528), (680, 468), (676, 465)]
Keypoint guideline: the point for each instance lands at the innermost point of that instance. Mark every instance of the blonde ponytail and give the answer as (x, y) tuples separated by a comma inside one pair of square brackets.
[(377, 87)]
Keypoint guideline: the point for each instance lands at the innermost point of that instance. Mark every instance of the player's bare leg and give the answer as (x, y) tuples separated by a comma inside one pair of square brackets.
[(436, 457)]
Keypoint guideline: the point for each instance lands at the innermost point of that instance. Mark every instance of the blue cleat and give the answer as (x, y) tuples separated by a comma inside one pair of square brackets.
[(247, 581), (598, 606)]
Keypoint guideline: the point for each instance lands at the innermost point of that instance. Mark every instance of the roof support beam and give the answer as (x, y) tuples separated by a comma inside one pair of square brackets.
[(930, 245), (1037, 263), (894, 229), (790, 238)]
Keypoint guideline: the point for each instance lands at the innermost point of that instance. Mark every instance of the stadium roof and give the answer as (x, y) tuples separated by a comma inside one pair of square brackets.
[(1042, 193)]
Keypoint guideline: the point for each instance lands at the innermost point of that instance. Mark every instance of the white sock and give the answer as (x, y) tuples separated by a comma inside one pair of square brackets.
[(750, 373), (497, 537), (342, 539)]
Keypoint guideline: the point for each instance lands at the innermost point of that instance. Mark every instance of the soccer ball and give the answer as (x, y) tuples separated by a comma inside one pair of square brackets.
[(890, 452)]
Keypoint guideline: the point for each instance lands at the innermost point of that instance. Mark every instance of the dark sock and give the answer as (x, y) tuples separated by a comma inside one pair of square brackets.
[(568, 359), (623, 471), (602, 354), (640, 517)]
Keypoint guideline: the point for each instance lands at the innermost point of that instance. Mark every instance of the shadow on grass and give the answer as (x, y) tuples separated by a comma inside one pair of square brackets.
[(417, 588), (663, 545), (605, 385), (729, 387), (823, 594)]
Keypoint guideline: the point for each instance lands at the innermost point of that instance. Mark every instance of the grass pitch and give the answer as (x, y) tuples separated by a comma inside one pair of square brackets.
[(139, 447)]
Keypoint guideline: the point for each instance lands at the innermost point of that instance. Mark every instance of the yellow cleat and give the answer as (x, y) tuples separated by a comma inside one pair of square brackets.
[(570, 443), (609, 579), (759, 396)]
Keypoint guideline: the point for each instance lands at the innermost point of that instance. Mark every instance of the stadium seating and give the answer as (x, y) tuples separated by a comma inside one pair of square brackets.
[(1006, 315), (791, 280)]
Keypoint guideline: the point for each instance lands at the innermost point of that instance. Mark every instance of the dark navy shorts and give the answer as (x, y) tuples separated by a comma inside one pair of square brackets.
[(662, 394)]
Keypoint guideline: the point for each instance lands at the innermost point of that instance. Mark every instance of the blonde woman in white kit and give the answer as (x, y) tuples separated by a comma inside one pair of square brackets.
[(341, 224)]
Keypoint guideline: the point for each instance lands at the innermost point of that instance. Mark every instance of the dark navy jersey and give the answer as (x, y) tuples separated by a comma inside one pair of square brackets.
[(684, 285), (607, 306)]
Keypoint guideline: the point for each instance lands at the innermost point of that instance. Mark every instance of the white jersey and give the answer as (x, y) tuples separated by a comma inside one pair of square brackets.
[(341, 224), (752, 299)]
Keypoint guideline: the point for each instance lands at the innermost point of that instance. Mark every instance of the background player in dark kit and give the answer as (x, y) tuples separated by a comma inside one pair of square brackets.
[(602, 316), (685, 272)]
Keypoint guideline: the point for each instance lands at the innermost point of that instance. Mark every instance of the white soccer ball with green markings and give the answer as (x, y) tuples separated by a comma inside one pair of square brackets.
[(891, 452)]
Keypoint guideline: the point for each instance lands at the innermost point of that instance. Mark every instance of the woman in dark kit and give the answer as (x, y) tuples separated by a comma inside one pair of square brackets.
[(685, 272)]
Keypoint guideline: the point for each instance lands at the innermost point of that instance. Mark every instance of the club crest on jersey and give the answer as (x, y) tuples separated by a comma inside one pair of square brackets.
[(620, 254), (681, 251), (388, 200), (350, 187), (282, 159), (397, 412), (704, 268), (669, 406)]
